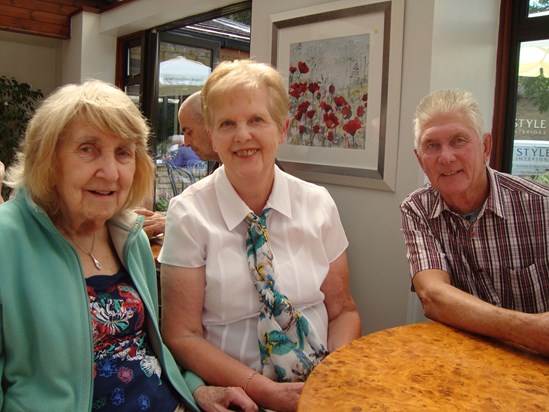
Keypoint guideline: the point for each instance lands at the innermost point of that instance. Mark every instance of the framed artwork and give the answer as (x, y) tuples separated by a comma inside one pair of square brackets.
[(342, 64)]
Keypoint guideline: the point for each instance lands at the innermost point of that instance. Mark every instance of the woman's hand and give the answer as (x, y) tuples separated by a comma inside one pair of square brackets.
[(216, 398), (280, 397), (154, 222)]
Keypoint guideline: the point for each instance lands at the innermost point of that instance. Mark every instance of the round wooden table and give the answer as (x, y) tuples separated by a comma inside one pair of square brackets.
[(428, 367)]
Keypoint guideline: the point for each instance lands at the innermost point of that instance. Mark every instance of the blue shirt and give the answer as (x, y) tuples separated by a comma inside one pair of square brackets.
[(185, 156)]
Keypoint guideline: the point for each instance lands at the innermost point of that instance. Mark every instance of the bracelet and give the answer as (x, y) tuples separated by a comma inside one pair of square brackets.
[(248, 379)]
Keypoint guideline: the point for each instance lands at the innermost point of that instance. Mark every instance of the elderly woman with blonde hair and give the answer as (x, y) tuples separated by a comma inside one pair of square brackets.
[(244, 308), (79, 326)]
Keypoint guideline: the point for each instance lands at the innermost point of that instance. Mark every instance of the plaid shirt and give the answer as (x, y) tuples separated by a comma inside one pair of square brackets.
[(502, 256)]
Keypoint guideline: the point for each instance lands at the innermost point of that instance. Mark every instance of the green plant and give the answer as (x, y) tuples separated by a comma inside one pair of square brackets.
[(162, 202), (17, 101), (542, 178), (536, 90)]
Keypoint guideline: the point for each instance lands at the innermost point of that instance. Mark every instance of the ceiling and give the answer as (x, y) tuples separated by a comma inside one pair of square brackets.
[(49, 18)]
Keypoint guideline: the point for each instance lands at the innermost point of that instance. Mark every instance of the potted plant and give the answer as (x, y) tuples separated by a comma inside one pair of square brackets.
[(17, 102)]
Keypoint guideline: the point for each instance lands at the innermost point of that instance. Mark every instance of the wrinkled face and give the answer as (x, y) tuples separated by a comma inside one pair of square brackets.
[(244, 133), (454, 159), (196, 135), (96, 171)]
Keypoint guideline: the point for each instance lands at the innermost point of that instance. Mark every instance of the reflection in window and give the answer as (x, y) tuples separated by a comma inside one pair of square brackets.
[(531, 137), (134, 61), (538, 8)]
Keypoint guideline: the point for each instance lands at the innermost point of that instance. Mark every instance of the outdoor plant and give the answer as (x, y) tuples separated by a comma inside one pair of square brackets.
[(17, 102), (162, 202)]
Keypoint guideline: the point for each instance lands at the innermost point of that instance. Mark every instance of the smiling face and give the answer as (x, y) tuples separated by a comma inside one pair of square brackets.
[(245, 135), (454, 159), (95, 174)]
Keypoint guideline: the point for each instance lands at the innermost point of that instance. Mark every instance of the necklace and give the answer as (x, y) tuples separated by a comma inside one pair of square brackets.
[(96, 263)]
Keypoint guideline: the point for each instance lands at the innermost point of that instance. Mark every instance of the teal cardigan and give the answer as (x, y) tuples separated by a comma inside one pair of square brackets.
[(46, 349)]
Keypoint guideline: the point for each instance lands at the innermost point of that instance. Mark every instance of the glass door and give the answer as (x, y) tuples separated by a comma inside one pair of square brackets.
[(184, 64)]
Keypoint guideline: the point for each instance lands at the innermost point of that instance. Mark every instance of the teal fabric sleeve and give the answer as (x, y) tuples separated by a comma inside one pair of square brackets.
[(193, 380)]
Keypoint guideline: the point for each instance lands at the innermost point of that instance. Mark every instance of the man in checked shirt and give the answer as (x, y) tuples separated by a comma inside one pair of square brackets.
[(477, 240)]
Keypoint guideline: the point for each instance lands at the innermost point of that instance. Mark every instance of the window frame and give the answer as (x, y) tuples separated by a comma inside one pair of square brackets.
[(515, 27)]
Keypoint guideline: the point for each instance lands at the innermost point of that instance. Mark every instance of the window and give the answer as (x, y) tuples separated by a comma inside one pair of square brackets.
[(161, 67), (524, 148)]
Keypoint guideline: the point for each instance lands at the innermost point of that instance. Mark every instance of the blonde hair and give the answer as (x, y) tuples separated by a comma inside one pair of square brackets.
[(447, 101), (249, 75), (105, 107)]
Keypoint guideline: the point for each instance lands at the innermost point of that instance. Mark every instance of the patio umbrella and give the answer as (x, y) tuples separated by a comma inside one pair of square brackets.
[(534, 58), (181, 71)]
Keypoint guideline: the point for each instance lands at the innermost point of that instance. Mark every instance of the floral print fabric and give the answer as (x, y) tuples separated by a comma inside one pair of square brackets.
[(289, 350), (127, 374)]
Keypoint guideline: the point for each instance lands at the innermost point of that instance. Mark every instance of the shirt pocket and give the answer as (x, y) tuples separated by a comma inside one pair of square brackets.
[(528, 289)]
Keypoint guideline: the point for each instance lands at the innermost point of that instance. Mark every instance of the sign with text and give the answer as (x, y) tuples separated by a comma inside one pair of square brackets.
[(530, 157)]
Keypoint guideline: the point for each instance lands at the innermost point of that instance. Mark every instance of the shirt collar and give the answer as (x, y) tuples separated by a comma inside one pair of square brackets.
[(234, 209), (494, 202)]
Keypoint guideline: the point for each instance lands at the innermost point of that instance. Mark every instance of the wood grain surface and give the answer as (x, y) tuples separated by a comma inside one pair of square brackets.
[(428, 367)]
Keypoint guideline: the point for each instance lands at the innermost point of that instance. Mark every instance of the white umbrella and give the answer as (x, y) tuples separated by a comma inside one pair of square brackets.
[(181, 71), (534, 58)]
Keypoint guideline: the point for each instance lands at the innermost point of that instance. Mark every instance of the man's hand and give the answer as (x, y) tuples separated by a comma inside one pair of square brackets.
[(154, 222), (218, 399)]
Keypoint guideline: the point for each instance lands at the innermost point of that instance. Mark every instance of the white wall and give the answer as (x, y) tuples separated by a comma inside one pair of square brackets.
[(465, 56), (446, 44), (30, 59), (89, 54)]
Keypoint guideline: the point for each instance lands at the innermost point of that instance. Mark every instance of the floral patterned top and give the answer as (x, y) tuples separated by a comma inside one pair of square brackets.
[(127, 374)]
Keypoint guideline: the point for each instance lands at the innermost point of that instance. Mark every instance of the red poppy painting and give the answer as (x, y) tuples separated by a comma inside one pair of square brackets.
[(342, 64), (328, 90)]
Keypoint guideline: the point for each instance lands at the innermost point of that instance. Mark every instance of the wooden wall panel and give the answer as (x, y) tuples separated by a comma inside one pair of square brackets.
[(49, 18)]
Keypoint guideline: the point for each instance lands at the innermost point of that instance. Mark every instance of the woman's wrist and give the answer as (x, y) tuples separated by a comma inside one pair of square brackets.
[(248, 380)]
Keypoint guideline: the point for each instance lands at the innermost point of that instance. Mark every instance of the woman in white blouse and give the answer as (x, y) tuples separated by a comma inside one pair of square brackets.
[(210, 303)]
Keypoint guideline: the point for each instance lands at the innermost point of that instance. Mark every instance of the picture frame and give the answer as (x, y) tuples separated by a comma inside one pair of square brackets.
[(342, 64)]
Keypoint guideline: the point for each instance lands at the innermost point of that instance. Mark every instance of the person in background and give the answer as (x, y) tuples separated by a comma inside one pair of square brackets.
[(185, 156), (191, 121), (154, 222), (176, 141), (477, 240), (79, 302), (232, 278)]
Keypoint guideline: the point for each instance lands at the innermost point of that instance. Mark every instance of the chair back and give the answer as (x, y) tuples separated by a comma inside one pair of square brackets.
[(179, 178)]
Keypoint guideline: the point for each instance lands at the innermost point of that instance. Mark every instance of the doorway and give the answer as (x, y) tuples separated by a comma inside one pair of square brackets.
[(161, 67)]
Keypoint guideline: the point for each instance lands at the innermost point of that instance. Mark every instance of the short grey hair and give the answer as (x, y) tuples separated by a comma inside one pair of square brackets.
[(447, 101)]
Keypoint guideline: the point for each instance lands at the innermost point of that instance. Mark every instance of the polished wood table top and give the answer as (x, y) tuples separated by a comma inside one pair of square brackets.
[(428, 367)]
